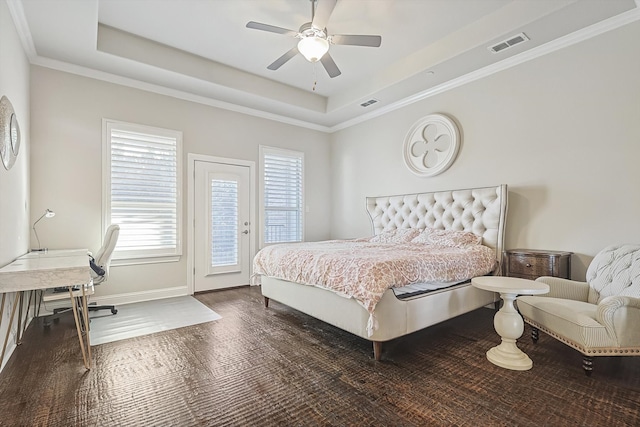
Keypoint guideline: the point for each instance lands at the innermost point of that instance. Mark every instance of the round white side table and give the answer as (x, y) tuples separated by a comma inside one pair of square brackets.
[(508, 322)]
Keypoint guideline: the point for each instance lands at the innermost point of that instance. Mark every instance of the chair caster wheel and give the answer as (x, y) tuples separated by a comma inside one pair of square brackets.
[(114, 311)]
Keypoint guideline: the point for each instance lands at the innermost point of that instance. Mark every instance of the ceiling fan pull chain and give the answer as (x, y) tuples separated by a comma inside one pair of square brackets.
[(315, 77)]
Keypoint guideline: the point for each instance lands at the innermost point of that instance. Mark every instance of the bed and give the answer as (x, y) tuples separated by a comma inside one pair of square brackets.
[(480, 211)]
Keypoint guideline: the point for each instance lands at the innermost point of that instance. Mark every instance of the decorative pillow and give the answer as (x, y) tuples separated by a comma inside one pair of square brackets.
[(400, 235), (451, 238), (423, 237)]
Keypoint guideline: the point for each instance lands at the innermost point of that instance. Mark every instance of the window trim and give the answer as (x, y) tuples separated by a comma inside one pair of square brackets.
[(141, 258), (264, 149)]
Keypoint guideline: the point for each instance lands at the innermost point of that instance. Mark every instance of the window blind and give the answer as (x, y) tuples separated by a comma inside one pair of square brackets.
[(224, 222), (283, 196), (143, 193)]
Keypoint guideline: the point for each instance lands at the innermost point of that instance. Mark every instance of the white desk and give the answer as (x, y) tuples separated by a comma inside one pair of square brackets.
[(50, 269)]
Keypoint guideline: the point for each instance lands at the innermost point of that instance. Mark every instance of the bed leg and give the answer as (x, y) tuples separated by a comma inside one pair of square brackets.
[(377, 350), (266, 302)]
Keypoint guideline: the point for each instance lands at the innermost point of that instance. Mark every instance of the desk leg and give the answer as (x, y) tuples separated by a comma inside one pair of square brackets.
[(30, 296), (2, 308), (4, 296), (19, 335), (6, 338), (74, 307), (39, 297), (86, 324)]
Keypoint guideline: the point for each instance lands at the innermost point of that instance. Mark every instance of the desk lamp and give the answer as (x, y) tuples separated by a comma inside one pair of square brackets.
[(47, 214)]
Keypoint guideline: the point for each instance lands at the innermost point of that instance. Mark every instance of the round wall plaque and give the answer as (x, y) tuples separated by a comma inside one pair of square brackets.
[(431, 145), (9, 133)]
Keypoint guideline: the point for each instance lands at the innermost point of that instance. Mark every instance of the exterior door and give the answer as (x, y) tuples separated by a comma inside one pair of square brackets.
[(222, 225)]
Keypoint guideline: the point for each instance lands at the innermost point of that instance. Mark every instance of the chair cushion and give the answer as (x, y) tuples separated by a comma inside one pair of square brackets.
[(574, 321), (615, 271)]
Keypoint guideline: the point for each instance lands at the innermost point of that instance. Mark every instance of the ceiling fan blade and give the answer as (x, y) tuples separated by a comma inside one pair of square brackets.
[(270, 28), (356, 40), (322, 13), (284, 58), (329, 64)]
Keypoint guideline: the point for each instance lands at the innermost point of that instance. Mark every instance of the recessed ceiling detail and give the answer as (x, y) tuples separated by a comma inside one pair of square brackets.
[(201, 50)]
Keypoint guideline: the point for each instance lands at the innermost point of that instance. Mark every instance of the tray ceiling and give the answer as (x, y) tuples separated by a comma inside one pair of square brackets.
[(201, 50)]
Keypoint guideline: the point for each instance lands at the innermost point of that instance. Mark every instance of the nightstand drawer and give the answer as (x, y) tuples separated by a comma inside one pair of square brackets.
[(531, 264)]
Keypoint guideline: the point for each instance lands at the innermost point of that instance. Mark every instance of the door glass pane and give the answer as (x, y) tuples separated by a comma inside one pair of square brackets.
[(224, 222)]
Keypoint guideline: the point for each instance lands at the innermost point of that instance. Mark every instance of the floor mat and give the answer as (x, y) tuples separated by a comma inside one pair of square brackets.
[(143, 318)]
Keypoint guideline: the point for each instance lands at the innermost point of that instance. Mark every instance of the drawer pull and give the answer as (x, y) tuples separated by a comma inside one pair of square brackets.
[(528, 265)]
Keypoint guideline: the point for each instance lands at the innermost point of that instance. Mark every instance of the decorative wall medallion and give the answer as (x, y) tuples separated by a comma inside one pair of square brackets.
[(431, 145), (9, 133)]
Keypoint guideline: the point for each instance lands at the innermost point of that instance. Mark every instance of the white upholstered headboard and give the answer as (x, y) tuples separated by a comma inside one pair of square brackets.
[(481, 211)]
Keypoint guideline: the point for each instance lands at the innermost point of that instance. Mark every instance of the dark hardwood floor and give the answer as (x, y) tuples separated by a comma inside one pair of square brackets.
[(276, 366)]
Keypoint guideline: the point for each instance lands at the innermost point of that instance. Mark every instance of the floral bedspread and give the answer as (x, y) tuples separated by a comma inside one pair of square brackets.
[(364, 270)]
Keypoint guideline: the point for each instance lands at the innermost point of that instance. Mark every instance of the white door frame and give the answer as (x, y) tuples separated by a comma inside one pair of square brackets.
[(191, 170)]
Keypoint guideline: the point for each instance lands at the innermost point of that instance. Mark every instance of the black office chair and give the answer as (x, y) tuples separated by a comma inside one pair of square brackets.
[(99, 274)]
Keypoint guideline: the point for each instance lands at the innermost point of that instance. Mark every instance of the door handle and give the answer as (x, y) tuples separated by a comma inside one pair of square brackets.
[(245, 232)]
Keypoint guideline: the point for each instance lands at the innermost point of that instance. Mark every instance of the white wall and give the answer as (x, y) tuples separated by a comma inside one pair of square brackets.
[(67, 112), (562, 131), (14, 183)]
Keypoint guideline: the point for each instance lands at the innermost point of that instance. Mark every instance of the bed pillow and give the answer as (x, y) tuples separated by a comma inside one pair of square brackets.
[(450, 238), (400, 235)]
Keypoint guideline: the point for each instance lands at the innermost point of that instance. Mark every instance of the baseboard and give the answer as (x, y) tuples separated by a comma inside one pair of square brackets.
[(7, 355), (12, 345), (120, 299), (131, 297)]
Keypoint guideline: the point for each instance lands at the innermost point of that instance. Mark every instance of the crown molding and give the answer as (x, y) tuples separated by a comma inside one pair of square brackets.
[(174, 93), (22, 27)]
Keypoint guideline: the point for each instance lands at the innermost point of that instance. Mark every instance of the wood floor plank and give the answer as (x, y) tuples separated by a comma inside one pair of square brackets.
[(276, 366)]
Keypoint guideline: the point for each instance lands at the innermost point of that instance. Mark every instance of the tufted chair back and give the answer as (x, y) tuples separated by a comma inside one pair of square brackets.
[(614, 271)]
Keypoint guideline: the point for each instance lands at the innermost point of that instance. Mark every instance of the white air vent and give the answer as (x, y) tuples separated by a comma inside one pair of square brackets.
[(506, 44), (369, 102)]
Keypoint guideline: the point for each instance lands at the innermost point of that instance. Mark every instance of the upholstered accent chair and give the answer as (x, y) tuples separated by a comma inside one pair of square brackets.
[(599, 317)]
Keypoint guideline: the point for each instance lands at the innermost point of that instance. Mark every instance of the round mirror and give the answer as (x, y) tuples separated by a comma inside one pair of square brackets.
[(9, 133), (14, 134)]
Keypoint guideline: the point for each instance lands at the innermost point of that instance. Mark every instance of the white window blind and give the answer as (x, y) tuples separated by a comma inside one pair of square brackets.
[(282, 195), (224, 222), (142, 194)]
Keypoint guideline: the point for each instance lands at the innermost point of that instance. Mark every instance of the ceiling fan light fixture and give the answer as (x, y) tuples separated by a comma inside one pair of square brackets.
[(313, 48)]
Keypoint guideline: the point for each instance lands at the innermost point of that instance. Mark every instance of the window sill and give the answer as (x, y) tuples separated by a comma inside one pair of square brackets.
[(149, 260)]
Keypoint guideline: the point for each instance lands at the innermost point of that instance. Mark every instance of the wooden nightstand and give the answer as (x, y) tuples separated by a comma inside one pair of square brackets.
[(532, 263)]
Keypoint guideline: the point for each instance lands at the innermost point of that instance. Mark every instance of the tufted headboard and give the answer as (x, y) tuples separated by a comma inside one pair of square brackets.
[(481, 211)]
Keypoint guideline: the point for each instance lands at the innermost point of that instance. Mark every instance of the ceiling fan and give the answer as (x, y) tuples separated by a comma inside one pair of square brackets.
[(314, 39)]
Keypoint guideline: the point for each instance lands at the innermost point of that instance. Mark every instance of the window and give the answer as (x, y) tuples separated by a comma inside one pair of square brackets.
[(282, 198), (142, 182), (224, 223)]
